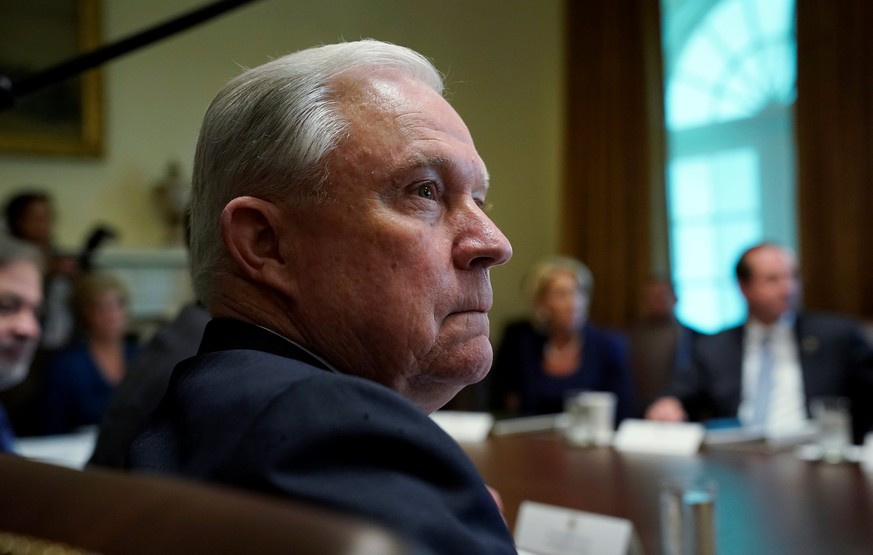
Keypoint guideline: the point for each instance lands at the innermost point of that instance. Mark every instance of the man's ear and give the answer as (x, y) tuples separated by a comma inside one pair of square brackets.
[(251, 231), (744, 288)]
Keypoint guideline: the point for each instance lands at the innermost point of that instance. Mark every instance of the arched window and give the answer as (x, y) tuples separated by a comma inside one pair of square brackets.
[(730, 86)]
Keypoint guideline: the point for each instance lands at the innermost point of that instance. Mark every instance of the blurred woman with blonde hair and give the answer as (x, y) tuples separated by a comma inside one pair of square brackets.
[(558, 351), (80, 379)]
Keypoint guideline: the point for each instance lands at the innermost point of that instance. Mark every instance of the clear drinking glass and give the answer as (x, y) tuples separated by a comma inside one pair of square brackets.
[(833, 417), (688, 516), (590, 417)]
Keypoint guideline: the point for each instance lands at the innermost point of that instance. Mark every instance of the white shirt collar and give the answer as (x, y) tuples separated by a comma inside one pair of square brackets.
[(757, 330)]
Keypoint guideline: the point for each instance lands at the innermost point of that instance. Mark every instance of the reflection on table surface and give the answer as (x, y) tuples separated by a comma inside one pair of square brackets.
[(767, 503)]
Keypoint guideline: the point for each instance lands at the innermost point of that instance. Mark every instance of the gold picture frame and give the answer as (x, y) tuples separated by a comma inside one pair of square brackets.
[(63, 119)]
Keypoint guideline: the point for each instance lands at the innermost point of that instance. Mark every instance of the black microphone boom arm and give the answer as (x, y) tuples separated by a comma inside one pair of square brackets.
[(10, 92)]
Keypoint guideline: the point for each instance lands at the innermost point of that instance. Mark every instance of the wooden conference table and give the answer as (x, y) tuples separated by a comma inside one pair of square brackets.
[(768, 503)]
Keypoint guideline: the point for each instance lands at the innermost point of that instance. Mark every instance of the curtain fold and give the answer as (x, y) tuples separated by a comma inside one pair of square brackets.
[(834, 130), (614, 169)]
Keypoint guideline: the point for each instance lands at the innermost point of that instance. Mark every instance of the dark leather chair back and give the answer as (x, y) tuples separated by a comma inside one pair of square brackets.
[(45, 507)]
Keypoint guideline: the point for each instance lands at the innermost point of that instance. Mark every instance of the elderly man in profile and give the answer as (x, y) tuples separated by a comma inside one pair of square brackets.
[(339, 240), (765, 372), (20, 306)]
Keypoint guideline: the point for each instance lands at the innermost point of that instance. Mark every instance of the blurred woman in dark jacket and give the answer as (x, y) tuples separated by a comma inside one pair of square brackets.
[(559, 351)]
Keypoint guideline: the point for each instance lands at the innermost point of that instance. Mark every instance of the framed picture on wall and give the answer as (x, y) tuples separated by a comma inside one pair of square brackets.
[(63, 119)]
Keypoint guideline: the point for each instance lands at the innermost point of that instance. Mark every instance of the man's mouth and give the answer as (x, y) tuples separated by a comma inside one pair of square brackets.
[(14, 353)]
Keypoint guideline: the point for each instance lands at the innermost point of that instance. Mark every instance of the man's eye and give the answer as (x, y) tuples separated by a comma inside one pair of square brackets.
[(425, 191), (9, 305)]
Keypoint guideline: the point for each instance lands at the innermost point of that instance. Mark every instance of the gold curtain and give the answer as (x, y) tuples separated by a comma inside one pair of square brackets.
[(834, 128), (614, 171)]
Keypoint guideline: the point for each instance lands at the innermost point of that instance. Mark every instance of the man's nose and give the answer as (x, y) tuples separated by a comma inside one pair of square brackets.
[(481, 243), (26, 324)]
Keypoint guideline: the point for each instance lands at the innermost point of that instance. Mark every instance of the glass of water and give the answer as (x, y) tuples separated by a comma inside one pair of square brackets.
[(688, 516), (833, 418)]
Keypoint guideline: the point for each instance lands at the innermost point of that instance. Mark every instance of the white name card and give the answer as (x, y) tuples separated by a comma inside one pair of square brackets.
[(550, 530), (665, 438)]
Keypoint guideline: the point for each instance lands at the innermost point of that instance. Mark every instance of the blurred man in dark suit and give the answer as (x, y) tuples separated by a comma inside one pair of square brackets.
[(766, 371)]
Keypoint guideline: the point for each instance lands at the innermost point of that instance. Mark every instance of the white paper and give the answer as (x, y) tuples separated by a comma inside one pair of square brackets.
[(737, 434), (71, 450), (665, 438), (528, 424), (550, 530), (467, 427)]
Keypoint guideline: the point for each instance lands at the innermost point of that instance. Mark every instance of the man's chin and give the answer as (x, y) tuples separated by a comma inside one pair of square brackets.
[(12, 374), (472, 361)]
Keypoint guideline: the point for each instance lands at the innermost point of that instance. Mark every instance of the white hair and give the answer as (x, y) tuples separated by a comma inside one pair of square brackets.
[(268, 133)]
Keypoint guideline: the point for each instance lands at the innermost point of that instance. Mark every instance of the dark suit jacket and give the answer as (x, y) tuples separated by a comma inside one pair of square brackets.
[(253, 410), (834, 357)]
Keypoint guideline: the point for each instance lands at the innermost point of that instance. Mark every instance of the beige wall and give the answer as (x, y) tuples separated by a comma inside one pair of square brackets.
[(504, 65)]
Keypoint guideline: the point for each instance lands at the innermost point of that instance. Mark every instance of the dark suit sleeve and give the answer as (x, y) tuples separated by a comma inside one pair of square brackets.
[(685, 384), (837, 359), (861, 384), (364, 451), (709, 384)]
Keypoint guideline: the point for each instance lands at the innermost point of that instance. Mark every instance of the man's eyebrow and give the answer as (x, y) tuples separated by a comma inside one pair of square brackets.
[(438, 162)]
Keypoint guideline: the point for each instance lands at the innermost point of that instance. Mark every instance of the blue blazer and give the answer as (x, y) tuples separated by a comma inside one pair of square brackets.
[(835, 359), (74, 393), (518, 369), (253, 410), (7, 434)]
